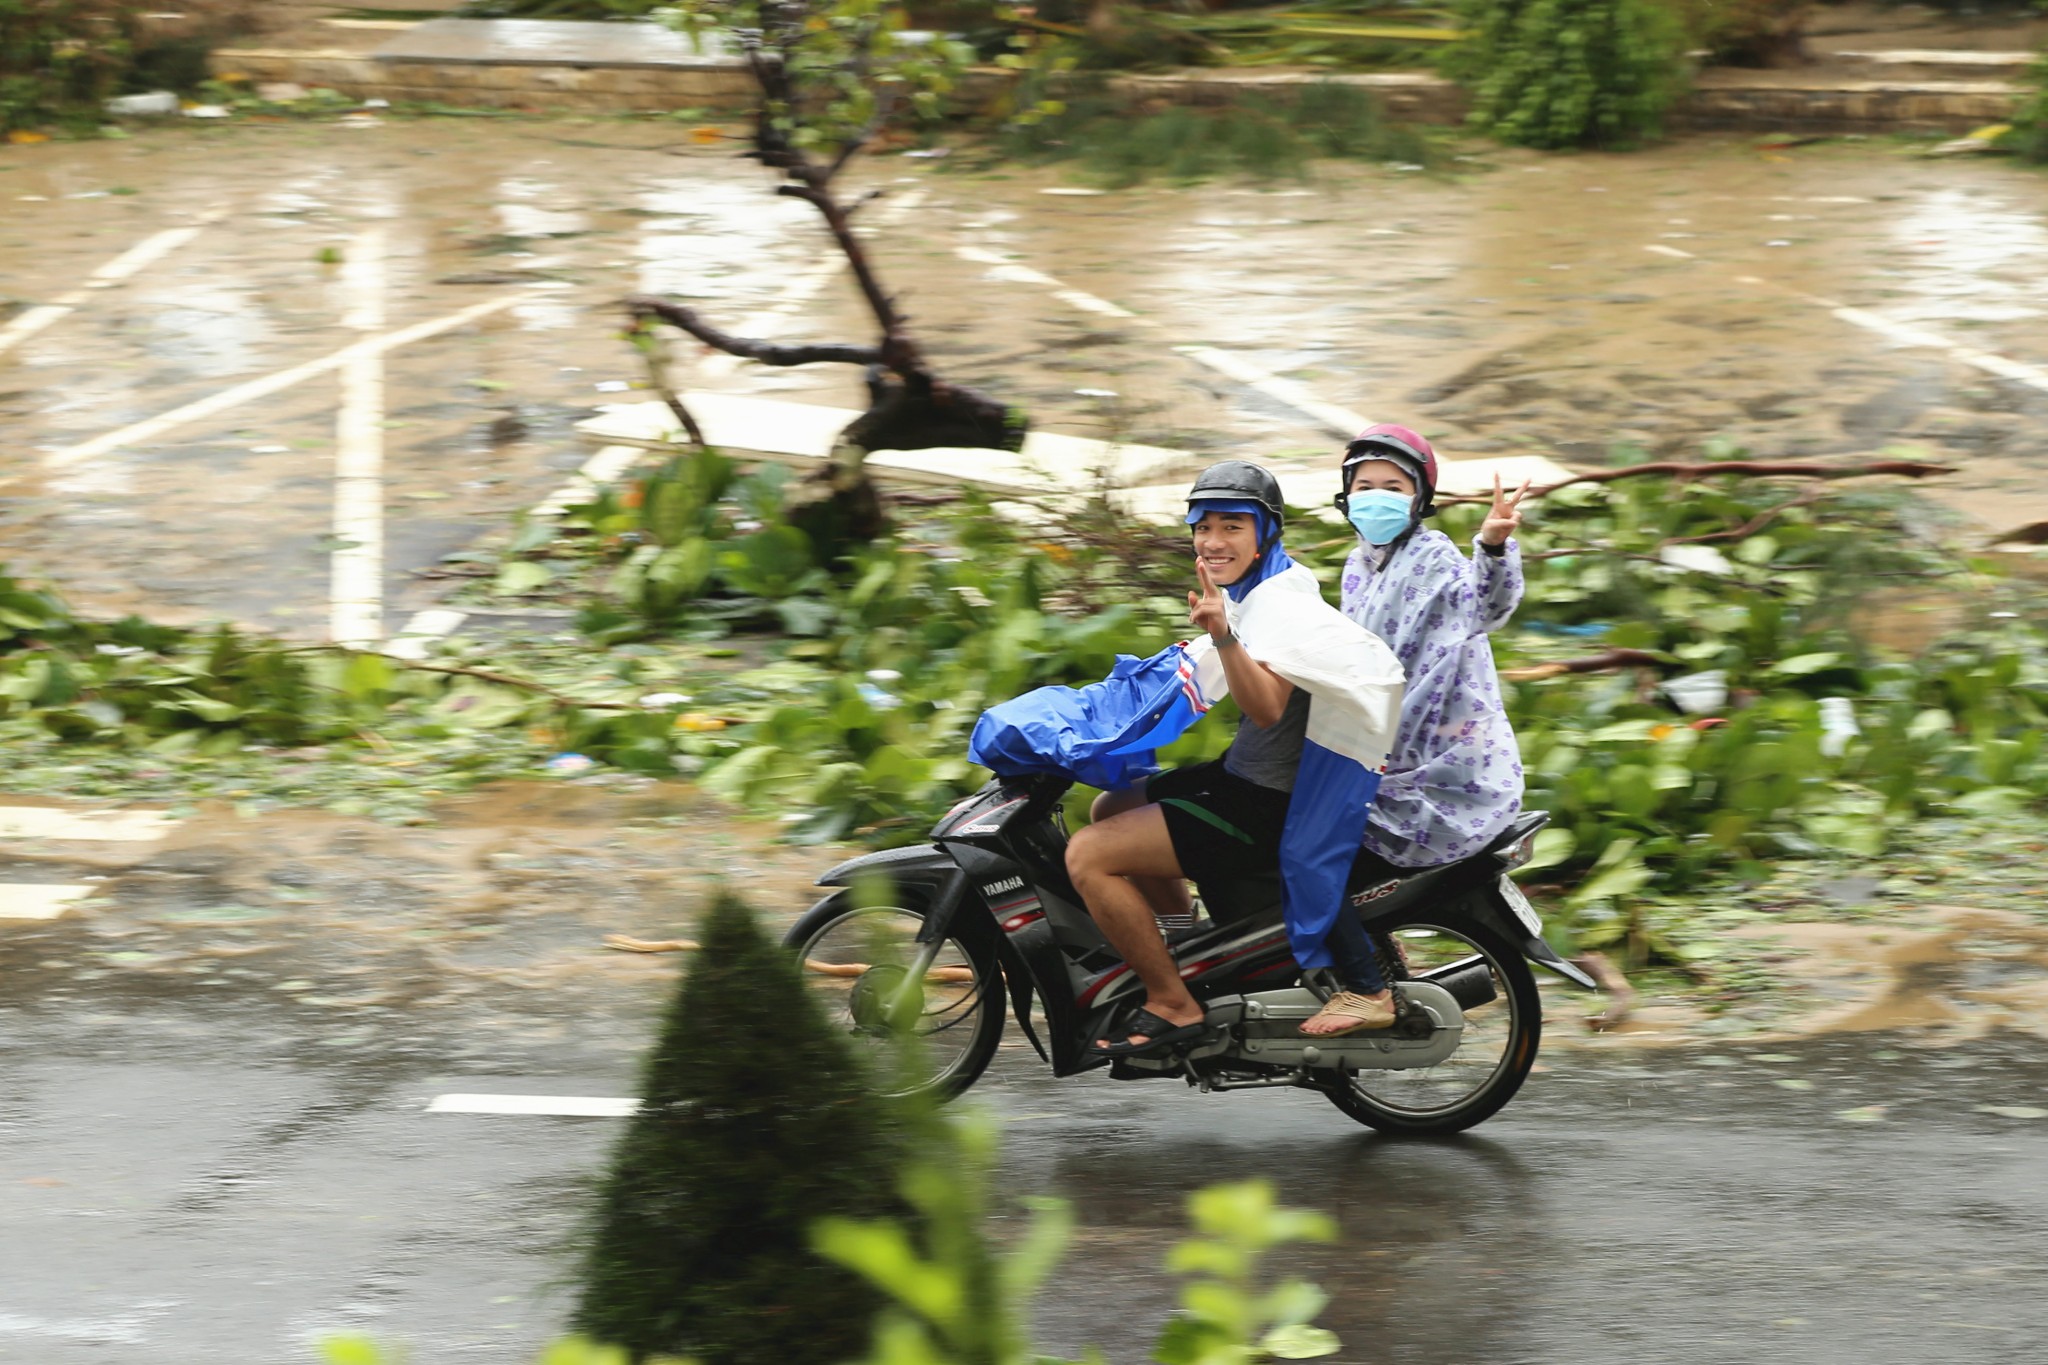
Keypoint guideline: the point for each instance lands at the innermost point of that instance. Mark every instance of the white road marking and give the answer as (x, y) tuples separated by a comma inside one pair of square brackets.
[(608, 464), (802, 434), (1331, 417), (112, 826), (569, 1106), (1905, 334), (356, 592), (32, 901), (2005, 368), (43, 900), (124, 267), (226, 399), (414, 638), (1338, 421), (1002, 268)]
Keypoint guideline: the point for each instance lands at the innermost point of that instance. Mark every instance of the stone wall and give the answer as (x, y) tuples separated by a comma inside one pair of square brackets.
[(280, 14), (1722, 99), (485, 86)]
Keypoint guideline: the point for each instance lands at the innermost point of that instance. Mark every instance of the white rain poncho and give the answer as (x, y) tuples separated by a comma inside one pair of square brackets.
[(1454, 781)]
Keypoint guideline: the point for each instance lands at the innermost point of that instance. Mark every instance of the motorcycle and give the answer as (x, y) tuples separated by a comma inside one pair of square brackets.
[(942, 937)]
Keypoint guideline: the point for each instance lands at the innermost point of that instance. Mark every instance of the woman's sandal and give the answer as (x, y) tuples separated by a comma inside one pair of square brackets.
[(1359, 1013), (1157, 1032)]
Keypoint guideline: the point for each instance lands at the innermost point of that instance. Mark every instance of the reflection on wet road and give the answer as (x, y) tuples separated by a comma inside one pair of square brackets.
[(1557, 306)]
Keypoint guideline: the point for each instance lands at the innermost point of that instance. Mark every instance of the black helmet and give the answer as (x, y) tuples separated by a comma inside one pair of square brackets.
[(1238, 481)]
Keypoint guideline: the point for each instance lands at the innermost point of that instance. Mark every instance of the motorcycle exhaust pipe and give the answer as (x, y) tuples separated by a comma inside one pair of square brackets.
[(1470, 982)]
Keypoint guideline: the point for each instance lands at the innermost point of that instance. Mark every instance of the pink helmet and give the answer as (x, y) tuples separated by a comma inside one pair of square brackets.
[(1399, 445)]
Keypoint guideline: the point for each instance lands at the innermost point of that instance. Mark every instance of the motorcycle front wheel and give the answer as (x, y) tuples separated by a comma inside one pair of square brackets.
[(1493, 1056), (856, 958)]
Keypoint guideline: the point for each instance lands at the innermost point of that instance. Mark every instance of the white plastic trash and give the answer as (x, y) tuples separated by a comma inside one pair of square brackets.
[(155, 104), (1696, 694), (1837, 725)]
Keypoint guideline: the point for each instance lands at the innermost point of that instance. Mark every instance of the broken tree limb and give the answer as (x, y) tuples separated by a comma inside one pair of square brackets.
[(1749, 528), (644, 306), (1597, 663), (649, 344), (625, 944), (1768, 469)]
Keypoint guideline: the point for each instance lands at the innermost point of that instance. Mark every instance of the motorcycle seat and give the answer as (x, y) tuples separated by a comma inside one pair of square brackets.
[(1240, 899)]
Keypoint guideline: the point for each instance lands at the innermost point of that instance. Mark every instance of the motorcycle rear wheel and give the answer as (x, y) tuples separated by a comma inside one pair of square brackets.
[(1492, 1060), (854, 959)]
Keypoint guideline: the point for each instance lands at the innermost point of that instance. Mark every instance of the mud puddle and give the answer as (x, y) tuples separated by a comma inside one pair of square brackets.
[(477, 933)]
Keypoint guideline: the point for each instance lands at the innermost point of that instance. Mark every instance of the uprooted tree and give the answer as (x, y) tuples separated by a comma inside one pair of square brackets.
[(834, 76)]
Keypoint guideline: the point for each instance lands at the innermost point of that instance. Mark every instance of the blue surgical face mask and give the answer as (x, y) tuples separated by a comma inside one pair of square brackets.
[(1380, 515)]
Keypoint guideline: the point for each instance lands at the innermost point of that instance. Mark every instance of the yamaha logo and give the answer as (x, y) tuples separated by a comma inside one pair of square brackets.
[(1006, 884), (1380, 892)]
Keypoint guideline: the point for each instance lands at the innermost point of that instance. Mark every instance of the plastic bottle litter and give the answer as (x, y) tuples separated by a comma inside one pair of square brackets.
[(570, 763), (1837, 725), (155, 104)]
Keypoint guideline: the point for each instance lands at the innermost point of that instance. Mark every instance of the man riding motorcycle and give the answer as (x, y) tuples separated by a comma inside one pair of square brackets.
[(1243, 813)]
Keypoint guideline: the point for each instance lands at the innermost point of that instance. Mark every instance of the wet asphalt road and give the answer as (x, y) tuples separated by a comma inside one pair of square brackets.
[(189, 1182)]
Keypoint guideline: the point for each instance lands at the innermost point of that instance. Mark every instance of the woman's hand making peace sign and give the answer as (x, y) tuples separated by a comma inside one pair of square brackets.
[(1505, 514)]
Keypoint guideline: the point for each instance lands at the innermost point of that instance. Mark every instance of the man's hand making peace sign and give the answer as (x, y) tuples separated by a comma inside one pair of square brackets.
[(1505, 514), (1206, 610)]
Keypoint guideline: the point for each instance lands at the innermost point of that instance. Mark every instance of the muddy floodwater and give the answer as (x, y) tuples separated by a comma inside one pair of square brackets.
[(1817, 300)]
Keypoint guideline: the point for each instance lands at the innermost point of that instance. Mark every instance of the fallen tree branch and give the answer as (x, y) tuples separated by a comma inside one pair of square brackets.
[(480, 674), (1772, 469), (643, 306), (1597, 663), (1749, 528), (648, 343)]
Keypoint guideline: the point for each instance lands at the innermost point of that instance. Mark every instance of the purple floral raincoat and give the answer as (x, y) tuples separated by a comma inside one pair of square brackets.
[(1455, 779)]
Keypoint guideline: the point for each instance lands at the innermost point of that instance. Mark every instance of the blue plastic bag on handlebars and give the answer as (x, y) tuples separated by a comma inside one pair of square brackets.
[(1103, 735)]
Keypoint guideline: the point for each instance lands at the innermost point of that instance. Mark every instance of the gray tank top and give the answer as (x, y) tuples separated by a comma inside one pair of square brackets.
[(1270, 755)]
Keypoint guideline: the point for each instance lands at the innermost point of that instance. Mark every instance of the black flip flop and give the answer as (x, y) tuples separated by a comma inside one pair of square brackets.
[(1157, 1032)]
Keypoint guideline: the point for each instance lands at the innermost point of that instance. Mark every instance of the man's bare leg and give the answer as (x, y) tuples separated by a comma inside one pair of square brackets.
[(1168, 896), (1106, 860)]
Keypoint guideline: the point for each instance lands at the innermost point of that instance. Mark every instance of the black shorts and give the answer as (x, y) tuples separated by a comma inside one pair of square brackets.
[(1221, 825)]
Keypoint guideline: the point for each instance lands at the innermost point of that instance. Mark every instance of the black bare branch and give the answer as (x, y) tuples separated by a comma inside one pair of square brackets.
[(643, 306)]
